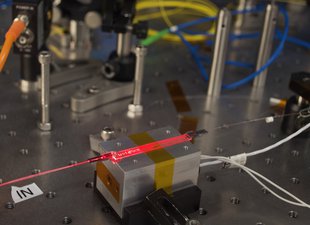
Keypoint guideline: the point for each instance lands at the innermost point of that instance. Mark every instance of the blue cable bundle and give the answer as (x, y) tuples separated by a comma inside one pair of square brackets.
[(250, 77), (195, 56), (274, 56)]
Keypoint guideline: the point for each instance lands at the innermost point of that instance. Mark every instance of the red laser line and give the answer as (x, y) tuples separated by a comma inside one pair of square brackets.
[(43, 173), (118, 156)]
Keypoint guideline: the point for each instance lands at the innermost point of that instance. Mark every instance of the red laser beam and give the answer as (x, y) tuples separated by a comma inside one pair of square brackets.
[(115, 157), (43, 173)]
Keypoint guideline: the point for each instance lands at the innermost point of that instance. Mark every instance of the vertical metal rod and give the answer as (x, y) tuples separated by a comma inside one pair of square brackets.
[(139, 71), (136, 108), (220, 52), (240, 17), (45, 61), (266, 43), (124, 41), (80, 34)]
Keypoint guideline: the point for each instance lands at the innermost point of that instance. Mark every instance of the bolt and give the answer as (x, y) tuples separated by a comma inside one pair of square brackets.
[(93, 90), (107, 133), (45, 61), (136, 106)]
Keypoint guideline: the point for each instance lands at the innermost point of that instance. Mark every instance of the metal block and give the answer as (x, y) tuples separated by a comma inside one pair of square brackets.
[(129, 181), (98, 93)]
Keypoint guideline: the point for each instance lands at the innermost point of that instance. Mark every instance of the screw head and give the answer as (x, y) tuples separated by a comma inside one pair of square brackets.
[(107, 133), (45, 57)]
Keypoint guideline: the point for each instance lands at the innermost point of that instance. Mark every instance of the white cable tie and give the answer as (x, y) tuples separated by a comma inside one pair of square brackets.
[(173, 29), (240, 159), (269, 119)]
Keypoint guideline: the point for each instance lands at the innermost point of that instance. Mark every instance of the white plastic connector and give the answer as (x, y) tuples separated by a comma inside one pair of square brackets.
[(174, 29), (240, 159), (269, 119)]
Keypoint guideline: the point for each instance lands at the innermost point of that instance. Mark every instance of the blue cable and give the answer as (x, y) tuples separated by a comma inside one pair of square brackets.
[(193, 51), (182, 26), (240, 64), (274, 56), (244, 36), (195, 56), (229, 62), (293, 40), (234, 37), (5, 3)]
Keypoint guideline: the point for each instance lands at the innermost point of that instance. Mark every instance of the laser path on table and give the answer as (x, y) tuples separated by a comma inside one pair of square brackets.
[(115, 157)]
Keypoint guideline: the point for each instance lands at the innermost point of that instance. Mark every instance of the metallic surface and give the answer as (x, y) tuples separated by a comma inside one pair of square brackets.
[(136, 175), (220, 53), (45, 60), (107, 134), (229, 196), (79, 34), (99, 92), (139, 72), (124, 42), (93, 20), (28, 86), (74, 74), (266, 41)]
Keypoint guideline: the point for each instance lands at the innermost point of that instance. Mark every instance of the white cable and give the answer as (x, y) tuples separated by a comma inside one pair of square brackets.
[(235, 159), (279, 142), (252, 173), (257, 152)]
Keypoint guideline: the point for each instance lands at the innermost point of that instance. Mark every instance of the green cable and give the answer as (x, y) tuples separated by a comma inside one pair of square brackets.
[(150, 40)]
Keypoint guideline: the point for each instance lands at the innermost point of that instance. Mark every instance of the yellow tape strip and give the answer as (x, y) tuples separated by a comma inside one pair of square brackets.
[(164, 162), (108, 180), (177, 96), (188, 123)]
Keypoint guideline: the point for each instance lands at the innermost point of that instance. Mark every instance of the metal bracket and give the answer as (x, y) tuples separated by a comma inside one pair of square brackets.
[(100, 92)]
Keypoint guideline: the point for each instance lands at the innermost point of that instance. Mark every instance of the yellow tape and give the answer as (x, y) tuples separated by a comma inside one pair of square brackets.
[(108, 180), (164, 163)]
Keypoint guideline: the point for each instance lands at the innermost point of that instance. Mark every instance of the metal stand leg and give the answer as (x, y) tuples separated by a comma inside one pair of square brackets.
[(45, 61), (266, 43), (136, 107), (220, 52)]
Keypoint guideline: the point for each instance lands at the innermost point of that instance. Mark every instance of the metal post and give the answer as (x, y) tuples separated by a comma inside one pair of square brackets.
[(266, 43), (220, 52), (45, 61), (136, 106), (124, 41), (240, 17), (80, 34)]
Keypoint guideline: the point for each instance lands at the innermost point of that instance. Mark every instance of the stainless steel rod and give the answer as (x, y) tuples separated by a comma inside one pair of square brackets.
[(139, 71), (220, 52), (45, 61), (266, 43), (124, 41)]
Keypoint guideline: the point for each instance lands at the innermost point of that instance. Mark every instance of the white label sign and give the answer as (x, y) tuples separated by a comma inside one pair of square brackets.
[(20, 194)]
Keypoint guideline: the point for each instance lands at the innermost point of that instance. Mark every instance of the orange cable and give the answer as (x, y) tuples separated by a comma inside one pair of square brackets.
[(11, 36)]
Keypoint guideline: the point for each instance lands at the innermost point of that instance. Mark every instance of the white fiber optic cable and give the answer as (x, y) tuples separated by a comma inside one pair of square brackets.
[(253, 174)]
